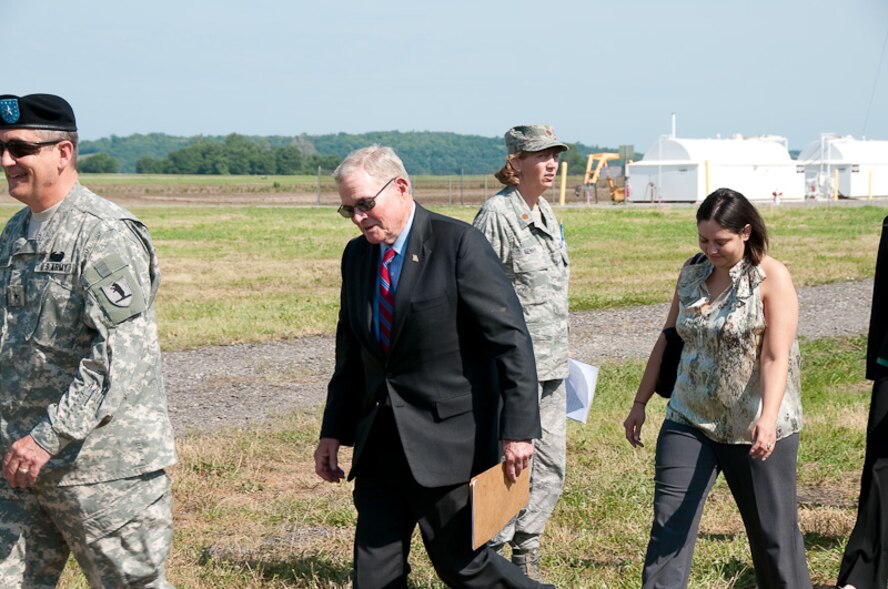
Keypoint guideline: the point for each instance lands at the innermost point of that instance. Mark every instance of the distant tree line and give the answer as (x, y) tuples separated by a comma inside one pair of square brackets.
[(236, 155), (423, 152), (98, 163), (438, 154)]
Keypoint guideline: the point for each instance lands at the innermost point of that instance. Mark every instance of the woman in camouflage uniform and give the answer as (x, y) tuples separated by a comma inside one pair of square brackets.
[(529, 242), (736, 405)]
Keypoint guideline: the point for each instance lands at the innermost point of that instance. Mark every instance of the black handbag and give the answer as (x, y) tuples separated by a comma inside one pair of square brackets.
[(672, 352), (669, 363)]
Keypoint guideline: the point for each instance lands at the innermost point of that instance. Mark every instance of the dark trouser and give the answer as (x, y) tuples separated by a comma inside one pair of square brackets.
[(865, 564), (687, 465), (390, 503)]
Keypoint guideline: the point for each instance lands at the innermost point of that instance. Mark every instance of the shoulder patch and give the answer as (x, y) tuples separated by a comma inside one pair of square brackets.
[(116, 289), (119, 293)]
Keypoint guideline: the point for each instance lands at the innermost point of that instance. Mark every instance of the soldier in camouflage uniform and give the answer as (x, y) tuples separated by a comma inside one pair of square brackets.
[(84, 430), (522, 229)]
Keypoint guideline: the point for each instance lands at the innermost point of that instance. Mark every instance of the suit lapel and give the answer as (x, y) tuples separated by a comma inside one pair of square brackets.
[(366, 271), (416, 255)]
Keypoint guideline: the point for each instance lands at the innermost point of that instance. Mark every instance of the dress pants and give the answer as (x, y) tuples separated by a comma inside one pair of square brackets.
[(390, 503), (687, 465), (865, 563)]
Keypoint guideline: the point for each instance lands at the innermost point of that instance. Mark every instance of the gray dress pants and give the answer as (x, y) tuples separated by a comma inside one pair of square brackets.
[(687, 465)]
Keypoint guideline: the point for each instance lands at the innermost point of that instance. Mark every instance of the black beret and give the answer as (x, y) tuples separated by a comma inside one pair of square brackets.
[(36, 111)]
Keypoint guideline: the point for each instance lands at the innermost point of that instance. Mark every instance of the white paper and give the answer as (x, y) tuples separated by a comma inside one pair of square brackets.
[(581, 381)]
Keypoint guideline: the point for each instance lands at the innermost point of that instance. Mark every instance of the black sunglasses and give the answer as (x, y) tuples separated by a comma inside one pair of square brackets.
[(363, 204), (18, 148)]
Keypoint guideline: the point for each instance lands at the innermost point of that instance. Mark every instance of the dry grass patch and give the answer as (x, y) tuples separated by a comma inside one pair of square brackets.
[(851, 417), (721, 518), (828, 522), (250, 506)]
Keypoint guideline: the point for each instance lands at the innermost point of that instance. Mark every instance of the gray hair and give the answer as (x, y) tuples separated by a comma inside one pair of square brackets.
[(378, 161), (52, 135)]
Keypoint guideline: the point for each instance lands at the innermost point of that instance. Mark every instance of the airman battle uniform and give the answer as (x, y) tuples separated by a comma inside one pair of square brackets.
[(532, 251), (80, 371)]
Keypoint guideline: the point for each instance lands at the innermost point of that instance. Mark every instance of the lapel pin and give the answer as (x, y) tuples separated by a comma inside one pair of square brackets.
[(415, 258)]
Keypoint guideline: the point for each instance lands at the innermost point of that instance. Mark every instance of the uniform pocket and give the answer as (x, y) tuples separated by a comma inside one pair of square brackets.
[(530, 277), (59, 325)]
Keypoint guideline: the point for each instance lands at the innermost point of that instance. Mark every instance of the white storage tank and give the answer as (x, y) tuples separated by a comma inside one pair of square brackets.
[(687, 170), (843, 166)]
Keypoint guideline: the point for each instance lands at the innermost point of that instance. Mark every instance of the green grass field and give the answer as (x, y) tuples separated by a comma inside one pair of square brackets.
[(254, 274), (216, 182)]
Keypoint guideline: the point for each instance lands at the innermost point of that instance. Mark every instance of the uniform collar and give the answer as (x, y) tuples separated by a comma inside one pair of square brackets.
[(525, 214), (49, 231)]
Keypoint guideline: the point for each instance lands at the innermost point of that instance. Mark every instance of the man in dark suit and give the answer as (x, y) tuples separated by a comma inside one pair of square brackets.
[(865, 562), (434, 369)]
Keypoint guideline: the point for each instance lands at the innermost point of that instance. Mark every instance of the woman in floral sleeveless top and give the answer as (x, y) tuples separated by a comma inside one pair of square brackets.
[(736, 406)]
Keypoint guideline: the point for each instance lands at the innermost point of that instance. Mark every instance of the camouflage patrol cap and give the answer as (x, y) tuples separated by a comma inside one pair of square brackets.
[(532, 138), (36, 111)]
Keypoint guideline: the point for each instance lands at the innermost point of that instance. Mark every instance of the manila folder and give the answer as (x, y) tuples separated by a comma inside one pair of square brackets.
[(495, 501)]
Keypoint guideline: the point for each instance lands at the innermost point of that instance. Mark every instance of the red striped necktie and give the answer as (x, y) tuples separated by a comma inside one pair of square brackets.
[(386, 300)]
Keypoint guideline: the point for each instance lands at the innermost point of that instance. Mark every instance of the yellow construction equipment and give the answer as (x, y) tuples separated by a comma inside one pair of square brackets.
[(600, 161), (618, 193), (594, 165)]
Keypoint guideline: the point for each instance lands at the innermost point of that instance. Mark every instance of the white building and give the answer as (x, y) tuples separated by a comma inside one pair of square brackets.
[(676, 170), (844, 166)]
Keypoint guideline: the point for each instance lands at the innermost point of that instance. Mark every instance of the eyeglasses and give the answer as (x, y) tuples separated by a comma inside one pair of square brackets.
[(18, 148), (363, 205)]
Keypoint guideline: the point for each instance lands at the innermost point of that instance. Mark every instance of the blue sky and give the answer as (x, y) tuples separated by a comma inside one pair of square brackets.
[(605, 73)]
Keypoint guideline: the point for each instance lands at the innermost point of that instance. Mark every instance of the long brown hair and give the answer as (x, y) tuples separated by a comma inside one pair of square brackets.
[(732, 211)]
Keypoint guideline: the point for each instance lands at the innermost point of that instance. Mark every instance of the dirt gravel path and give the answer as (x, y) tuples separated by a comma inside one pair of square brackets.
[(238, 385)]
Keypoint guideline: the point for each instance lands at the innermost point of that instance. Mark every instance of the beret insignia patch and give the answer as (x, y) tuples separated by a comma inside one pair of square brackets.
[(9, 110)]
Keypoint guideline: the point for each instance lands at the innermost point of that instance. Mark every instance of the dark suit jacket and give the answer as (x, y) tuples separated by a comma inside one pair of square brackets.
[(460, 354), (878, 332)]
